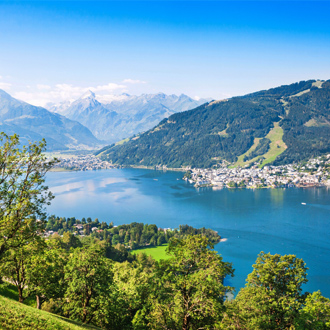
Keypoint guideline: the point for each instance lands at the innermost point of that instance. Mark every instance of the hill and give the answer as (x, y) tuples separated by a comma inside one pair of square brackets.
[(124, 115), (14, 315), (34, 123), (281, 125)]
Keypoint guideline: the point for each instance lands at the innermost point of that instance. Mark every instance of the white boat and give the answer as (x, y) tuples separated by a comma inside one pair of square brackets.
[(303, 203)]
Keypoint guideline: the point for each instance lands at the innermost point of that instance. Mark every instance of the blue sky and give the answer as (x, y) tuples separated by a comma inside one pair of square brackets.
[(51, 51)]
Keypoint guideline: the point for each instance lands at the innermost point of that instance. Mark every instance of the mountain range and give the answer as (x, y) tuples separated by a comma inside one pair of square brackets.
[(33, 123), (281, 125), (124, 115)]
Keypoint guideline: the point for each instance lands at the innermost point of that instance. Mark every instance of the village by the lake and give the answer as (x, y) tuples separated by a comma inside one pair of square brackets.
[(313, 173)]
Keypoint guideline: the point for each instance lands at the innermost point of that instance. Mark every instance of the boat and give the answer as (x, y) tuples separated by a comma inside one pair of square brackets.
[(303, 203)]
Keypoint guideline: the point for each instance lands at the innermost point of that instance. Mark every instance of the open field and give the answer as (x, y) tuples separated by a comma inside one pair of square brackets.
[(277, 146), (14, 315), (157, 252)]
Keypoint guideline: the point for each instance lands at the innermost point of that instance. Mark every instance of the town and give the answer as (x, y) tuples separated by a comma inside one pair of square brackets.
[(314, 172), (82, 163)]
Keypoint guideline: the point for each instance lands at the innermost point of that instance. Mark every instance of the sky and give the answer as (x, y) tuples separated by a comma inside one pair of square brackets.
[(54, 51)]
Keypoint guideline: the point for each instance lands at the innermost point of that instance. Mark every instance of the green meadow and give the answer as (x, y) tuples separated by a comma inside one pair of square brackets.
[(14, 315), (157, 252), (277, 146)]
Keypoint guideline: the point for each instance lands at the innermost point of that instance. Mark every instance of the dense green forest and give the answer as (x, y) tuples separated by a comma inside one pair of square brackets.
[(224, 130), (132, 236)]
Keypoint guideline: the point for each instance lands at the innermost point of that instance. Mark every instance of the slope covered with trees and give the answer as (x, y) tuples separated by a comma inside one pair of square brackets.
[(224, 130)]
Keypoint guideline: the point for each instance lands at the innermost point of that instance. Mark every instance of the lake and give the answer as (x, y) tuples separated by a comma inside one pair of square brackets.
[(269, 220)]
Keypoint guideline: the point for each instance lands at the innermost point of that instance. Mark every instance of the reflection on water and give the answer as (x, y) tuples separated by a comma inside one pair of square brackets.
[(270, 220), (277, 196)]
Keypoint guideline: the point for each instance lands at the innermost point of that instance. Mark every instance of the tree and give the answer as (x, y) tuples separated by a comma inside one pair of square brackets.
[(23, 194), (128, 297), (70, 241), (188, 287), (15, 264), (161, 239), (88, 276), (45, 273), (315, 315), (115, 239), (272, 296)]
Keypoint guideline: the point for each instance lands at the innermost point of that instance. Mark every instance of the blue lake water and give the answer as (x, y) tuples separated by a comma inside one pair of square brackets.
[(269, 220)]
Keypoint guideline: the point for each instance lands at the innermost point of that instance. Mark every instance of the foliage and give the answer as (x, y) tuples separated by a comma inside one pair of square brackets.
[(73, 225), (315, 314), (128, 295), (45, 274), (88, 275), (136, 235), (188, 290), (272, 297), (23, 194), (15, 264)]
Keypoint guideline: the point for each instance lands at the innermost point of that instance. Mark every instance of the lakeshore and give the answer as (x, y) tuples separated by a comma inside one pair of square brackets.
[(314, 173)]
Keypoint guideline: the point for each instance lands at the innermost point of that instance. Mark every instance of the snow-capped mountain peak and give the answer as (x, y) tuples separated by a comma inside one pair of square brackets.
[(88, 95), (114, 117)]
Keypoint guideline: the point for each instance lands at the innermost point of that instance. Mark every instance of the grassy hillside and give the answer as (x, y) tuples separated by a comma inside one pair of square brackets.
[(14, 315), (283, 125), (276, 147)]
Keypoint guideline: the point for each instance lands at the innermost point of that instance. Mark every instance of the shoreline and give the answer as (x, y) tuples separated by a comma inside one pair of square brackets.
[(156, 168)]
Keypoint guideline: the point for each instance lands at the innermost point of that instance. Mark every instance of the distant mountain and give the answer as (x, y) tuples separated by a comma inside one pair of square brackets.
[(281, 125), (34, 123), (123, 115)]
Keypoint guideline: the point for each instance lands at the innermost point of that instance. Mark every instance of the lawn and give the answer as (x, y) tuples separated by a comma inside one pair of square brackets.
[(157, 252), (14, 315)]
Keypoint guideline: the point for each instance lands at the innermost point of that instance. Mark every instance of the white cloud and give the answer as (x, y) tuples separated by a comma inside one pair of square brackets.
[(107, 88), (132, 81), (4, 85), (42, 94), (40, 86)]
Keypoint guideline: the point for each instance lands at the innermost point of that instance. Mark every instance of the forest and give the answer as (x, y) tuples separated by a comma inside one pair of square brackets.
[(131, 236), (224, 130)]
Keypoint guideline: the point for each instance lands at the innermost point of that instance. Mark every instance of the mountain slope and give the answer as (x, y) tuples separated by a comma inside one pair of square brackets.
[(224, 130), (124, 115), (34, 123)]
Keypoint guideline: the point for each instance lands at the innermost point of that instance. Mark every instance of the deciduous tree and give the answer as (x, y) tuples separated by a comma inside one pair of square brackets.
[(23, 194), (272, 297), (88, 276), (188, 288)]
